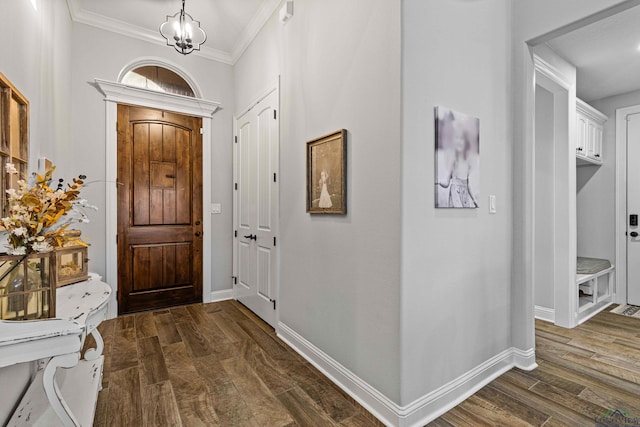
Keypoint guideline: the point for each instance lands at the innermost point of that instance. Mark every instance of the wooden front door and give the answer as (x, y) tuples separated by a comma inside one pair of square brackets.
[(159, 209)]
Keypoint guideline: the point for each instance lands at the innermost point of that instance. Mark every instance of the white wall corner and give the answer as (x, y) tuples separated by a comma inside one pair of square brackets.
[(432, 405), (366, 395), (252, 29), (422, 410), (545, 313), (525, 359)]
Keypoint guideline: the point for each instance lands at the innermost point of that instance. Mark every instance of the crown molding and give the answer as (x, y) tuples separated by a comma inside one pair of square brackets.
[(129, 30), (253, 27)]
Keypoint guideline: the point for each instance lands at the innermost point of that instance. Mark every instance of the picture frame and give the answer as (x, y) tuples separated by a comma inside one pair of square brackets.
[(327, 174), (457, 159)]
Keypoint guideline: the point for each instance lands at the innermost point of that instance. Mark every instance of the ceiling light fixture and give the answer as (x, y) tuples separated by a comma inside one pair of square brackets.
[(182, 32)]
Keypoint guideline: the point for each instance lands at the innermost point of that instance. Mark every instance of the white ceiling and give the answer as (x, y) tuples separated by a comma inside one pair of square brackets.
[(230, 25), (606, 55)]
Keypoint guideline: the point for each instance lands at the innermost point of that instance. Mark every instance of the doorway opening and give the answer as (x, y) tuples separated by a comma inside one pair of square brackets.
[(554, 196), (596, 47), (117, 93)]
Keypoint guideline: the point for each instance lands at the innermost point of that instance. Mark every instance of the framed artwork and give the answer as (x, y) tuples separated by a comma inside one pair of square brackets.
[(457, 157), (327, 174)]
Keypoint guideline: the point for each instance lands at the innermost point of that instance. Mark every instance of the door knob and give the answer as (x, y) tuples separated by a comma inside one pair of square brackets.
[(634, 234), (198, 234)]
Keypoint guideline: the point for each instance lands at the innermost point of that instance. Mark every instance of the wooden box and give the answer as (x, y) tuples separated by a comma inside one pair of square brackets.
[(71, 265), (27, 287)]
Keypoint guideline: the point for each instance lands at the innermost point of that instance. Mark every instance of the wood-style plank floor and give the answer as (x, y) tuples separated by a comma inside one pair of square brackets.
[(583, 374), (212, 365), (219, 365)]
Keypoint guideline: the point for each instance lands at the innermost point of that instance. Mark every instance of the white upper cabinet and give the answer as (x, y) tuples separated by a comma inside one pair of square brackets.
[(590, 126)]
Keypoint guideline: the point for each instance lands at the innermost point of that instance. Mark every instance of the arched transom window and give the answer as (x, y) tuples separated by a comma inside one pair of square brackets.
[(159, 79)]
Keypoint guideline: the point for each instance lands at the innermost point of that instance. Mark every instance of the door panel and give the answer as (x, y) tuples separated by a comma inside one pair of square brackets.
[(256, 214), (159, 209), (633, 207)]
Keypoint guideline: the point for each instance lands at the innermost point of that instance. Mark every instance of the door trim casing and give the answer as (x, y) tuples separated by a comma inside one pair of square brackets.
[(117, 93), (620, 291)]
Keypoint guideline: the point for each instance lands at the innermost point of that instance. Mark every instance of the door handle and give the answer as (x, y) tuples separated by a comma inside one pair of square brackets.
[(198, 234), (634, 234), (251, 237)]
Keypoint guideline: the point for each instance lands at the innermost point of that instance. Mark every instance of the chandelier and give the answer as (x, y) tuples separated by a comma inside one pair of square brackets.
[(182, 32)]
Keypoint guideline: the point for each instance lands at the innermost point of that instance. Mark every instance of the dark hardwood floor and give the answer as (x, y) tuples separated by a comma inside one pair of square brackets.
[(212, 365), (583, 374), (219, 365)]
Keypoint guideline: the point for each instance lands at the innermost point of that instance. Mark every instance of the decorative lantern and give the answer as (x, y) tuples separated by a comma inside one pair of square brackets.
[(70, 265), (27, 287)]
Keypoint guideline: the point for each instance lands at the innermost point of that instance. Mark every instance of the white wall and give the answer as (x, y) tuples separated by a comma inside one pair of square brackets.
[(596, 195), (545, 181), (84, 153), (35, 56), (339, 64), (531, 19), (456, 266)]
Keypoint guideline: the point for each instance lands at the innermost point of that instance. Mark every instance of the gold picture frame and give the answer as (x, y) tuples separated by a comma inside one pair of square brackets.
[(327, 174)]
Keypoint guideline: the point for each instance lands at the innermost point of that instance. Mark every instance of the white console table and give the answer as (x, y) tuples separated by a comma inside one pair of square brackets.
[(60, 397)]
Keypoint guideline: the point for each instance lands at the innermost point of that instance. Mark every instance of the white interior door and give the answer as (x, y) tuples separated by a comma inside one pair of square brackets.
[(633, 208), (256, 154)]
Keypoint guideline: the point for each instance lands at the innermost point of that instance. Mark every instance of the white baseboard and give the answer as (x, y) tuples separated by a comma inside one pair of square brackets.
[(371, 399), (546, 314), (422, 410), (223, 295), (525, 360), (432, 405)]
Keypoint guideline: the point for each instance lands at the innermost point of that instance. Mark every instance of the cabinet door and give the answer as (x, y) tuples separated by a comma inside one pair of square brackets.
[(581, 140), (597, 142), (591, 140)]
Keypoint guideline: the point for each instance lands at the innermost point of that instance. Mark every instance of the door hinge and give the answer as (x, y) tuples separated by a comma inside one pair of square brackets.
[(275, 114), (235, 233), (274, 177), (116, 239), (201, 131), (274, 240), (273, 302), (235, 138), (236, 185), (235, 280)]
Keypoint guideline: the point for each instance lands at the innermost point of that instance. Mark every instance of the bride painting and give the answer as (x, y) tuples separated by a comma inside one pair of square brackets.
[(325, 198), (326, 174)]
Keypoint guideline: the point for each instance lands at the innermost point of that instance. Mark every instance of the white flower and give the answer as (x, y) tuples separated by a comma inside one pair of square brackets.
[(10, 168), (42, 247), (20, 231), (13, 194), (20, 250)]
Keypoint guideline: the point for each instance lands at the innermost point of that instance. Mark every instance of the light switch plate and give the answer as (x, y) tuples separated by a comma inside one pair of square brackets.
[(492, 204), (216, 208)]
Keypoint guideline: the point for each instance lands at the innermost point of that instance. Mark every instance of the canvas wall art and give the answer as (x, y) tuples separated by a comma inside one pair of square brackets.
[(457, 159), (327, 174)]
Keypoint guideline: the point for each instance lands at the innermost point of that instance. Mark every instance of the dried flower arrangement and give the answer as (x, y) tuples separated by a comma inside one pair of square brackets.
[(39, 215)]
